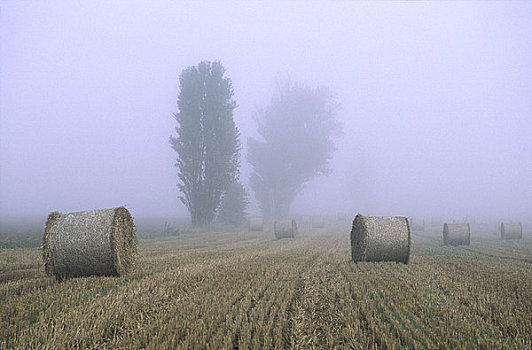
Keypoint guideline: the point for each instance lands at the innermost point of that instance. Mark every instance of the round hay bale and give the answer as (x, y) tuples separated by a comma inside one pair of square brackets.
[(456, 234), (305, 222), (380, 238), (511, 230), (99, 242), (318, 222), (255, 224), (435, 221), (285, 229)]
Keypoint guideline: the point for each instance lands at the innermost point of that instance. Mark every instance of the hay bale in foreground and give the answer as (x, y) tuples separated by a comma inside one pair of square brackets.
[(456, 234), (255, 224), (99, 242), (511, 230), (380, 238), (285, 229)]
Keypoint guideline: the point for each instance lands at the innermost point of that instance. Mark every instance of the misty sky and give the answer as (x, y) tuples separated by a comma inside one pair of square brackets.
[(436, 100)]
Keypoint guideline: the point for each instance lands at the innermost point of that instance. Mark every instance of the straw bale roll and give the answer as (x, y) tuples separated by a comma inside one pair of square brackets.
[(255, 224), (285, 229), (456, 234), (380, 238), (511, 230), (435, 221), (99, 242)]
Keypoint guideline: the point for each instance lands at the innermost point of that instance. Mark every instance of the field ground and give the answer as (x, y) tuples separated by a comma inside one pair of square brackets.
[(247, 290)]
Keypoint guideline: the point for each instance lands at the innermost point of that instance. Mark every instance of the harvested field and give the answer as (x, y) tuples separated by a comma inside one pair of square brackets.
[(248, 290)]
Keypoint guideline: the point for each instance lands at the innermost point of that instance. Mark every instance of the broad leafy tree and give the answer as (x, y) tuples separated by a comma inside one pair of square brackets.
[(296, 144), (207, 141)]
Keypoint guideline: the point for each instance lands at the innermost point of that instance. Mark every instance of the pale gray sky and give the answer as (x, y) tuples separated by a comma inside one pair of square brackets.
[(436, 100)]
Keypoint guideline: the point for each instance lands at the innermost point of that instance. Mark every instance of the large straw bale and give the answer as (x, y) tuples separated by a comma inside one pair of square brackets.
[(380, 238), (256, 224), (511, 230), (456, 234), (285, 229), (98, 242)]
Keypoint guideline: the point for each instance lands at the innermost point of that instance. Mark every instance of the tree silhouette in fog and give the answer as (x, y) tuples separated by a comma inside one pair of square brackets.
[(207, 142), (234, 205), (296, 145)]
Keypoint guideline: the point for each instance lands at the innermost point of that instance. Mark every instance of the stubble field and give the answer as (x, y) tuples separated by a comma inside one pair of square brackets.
[(248, 290)]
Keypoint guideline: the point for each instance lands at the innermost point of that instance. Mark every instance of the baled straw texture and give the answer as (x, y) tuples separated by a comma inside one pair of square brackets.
[(318, 222), (255, 224), (98, 242), (416, 224), (380, 238), (511, 230), (285, 229), (456, 234)]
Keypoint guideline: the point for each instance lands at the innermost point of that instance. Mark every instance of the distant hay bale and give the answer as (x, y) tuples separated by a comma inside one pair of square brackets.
[(456, 234), (285, 229), (99, 242), (340, 216), (416, 224), (318, 222), (305, 222), (255, 224), (435, 221), (380, 238), (511, 230)]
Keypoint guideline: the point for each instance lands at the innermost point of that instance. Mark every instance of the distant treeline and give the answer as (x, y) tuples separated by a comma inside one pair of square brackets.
[(12, 227), (20, 242)]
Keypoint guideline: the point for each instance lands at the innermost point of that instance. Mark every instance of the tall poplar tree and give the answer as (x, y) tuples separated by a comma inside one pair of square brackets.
[(207, 141)]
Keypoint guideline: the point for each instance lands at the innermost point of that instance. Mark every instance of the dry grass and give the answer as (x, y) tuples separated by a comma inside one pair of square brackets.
[(248, 290)]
